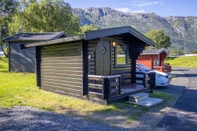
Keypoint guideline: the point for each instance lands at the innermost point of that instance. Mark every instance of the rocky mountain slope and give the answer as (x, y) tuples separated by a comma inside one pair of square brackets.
[(180, 29)]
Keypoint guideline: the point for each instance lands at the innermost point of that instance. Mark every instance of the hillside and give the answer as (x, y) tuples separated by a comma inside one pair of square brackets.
[(180, 29), (182, 61)]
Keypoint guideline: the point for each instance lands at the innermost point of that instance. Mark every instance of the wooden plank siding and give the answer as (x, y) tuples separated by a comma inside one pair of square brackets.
[(61, 68), (21, 60)]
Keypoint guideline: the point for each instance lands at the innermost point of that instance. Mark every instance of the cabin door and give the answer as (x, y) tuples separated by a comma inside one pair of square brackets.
[(103, 58)]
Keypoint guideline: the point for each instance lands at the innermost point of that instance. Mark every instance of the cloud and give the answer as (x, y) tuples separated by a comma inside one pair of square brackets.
[(123, 9), (138, 11), (142, 4)]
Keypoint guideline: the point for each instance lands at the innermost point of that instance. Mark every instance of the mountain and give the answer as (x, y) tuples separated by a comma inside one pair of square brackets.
[(182, 30)]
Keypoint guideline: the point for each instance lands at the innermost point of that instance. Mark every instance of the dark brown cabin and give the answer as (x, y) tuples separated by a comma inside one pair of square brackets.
[(24, 60), (99, 66)]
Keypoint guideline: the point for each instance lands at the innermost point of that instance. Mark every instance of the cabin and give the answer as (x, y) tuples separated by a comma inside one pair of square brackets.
[(154, 59), (1, 53), (99, 66), (24, 60)]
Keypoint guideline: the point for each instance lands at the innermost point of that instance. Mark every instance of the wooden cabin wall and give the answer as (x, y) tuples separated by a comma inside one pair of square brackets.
[(91, 56), (61, 68), (124, 71), (135, 50), (93, 95), (127, 72), (21, 60)]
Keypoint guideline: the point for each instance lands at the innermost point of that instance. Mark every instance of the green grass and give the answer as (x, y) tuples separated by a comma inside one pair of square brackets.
[(183, 61), (162, 95), (121, 60), (3, 64)]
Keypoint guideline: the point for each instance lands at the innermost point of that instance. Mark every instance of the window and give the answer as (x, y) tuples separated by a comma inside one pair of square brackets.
[(121, 54)]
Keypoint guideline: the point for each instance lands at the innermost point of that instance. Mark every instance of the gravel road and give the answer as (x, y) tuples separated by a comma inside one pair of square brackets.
[(22, 118)]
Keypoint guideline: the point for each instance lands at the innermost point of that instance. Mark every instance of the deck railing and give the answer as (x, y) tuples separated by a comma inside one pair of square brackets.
[(147, 79), (103, 85)]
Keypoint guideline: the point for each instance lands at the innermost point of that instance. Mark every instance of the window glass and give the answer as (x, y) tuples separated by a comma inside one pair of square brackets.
[(121, 55)]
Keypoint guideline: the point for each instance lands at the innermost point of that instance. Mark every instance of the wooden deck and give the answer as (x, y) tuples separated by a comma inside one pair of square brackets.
[(108, 89), (126, 90)]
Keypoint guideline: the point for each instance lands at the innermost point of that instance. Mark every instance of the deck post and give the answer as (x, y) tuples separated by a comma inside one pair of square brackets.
[(152, 81), (106, 88), (145, 80), (119, 88)]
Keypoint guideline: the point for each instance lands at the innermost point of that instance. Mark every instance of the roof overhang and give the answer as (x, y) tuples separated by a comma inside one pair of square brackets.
[(116, 31), (19, 38), (56, 41), (89, 35)]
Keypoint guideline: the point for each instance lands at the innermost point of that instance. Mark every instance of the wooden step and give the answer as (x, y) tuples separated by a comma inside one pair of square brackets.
[(149, 102), (138, 97)]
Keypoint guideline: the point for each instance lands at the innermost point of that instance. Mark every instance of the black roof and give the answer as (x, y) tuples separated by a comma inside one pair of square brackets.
[(157, 51), (126, 32), (35, 36)]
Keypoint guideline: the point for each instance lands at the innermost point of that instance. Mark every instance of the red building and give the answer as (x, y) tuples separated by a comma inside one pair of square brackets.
[(154, 59)]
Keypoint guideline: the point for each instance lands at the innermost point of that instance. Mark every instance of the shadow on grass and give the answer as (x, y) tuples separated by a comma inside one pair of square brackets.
[(3, 67), (4, 59)]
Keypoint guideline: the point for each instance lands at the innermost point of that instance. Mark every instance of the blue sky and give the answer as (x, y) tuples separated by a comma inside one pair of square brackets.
[(159, 7)]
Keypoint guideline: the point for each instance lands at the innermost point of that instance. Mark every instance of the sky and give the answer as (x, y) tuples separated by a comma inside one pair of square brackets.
[(159, 7)]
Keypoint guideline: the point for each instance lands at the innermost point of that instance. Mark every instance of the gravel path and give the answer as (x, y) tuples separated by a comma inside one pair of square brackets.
[(30, 119)]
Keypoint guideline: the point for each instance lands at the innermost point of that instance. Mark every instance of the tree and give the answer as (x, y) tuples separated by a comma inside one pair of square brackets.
[(194, 52), (88, 28), (45, 16), (7, 9), (175, 52), (159, 37)]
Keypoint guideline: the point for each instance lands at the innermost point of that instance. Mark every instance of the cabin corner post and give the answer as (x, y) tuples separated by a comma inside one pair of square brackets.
[(119, 88), (85, 66), (9, 58), (106, 88), (38, 64)]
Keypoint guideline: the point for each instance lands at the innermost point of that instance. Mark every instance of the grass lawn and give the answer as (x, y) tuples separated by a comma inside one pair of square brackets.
[(182, 61), (19, 89)]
